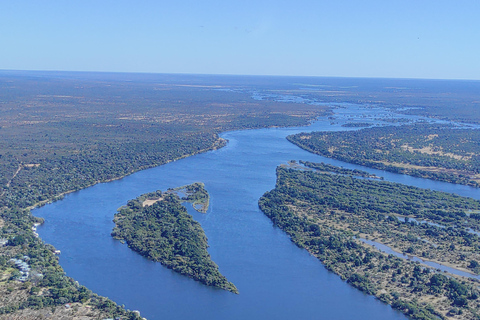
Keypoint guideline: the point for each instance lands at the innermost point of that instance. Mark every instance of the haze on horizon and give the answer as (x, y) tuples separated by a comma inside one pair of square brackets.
[(372, 38)]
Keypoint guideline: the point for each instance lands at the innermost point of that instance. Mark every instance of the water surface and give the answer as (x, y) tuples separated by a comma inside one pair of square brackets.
[(276, 279)]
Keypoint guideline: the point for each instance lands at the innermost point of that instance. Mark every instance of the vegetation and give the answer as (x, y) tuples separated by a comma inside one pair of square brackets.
[(64, 132), (194, 193), (61, 132), (163, 231), (356, 124), (447, 100), (328, 168), (47, 290), (436, 152), (330, 214)]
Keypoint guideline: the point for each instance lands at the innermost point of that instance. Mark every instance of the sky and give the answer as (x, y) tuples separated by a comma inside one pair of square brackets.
[(382, 38)]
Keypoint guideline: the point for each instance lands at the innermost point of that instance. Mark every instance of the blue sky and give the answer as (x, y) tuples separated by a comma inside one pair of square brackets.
[(388, 38)]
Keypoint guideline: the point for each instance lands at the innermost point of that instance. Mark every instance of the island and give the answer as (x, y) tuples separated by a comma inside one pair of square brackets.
[(345, 219), (433, 151), (356, 124), (60, 135), (194, 193), (158, 226)]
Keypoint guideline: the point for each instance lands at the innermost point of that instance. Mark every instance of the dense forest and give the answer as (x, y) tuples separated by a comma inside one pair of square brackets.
[(430, 151), (332, 214), (328, 168), (60, 133), (356, 124), (163, 231)]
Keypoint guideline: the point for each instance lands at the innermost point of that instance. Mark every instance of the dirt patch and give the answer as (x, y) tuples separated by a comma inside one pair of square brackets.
[(74, 311), (149, 202), (429, 150), (32, 165), (305, 137)]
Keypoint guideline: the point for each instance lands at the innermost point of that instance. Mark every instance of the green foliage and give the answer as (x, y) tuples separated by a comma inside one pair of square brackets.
[(328, 168), (414, 311), (48, 285), (166, 233), (451, 154), (322, 210), (362, 283), (61, 134), (74, 172), (356, 124), (194, 193)]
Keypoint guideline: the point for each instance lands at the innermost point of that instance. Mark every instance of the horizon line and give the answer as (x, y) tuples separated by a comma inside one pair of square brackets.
[(233, 75)]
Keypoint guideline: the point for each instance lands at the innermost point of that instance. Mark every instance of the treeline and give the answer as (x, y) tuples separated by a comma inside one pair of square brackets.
[(356, 124), (47, 285), (196, 192), (166, 233), (82, 131), (328, 214), (197, 195), (429, 224), (328, 168), (436, 152), (66, 133), (52, 177)]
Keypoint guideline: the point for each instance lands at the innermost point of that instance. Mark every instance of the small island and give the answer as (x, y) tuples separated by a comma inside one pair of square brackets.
[(194, 193), (158, 226), (356, 124)]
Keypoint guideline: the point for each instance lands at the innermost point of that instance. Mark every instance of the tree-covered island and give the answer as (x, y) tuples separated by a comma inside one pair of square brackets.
[(158, 226), (194, 193), (59, 134), (432, 151), (332, 214), (356, 124)]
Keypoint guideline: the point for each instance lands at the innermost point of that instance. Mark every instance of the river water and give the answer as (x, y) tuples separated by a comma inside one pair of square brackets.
[(276, 279)]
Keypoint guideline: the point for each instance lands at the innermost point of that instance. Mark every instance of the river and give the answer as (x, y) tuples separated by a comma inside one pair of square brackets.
[(276, 279)]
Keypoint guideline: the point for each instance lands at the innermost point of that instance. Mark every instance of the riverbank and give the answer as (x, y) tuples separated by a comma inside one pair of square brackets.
[(256, 257), (164, 232), (99, 150), (219, 143), (328, 214), (432, 151)]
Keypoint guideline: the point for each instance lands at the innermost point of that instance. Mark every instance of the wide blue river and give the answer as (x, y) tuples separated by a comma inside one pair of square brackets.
[(276, 279)]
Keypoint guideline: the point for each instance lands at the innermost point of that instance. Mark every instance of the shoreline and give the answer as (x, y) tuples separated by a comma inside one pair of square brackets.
[(218, 144), (407, 256)]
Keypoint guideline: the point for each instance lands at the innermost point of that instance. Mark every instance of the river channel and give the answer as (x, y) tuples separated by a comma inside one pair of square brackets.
[(276, 279)]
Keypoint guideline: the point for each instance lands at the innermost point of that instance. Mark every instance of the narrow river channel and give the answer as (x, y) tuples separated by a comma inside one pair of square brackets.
[(276, 279)]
